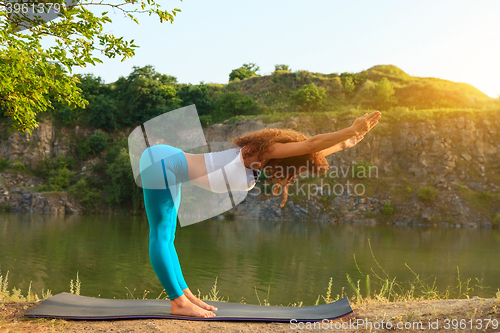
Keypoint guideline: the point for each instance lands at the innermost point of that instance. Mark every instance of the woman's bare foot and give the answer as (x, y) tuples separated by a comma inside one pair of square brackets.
[(183, 306), (197, 301)]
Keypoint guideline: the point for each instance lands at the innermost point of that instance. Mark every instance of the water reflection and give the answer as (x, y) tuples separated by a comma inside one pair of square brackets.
[(294, 259)]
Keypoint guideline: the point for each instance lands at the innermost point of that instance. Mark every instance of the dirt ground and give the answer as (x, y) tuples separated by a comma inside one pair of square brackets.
[(469, 315)]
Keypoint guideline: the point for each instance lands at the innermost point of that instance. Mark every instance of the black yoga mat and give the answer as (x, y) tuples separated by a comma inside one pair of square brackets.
[(70, 306)]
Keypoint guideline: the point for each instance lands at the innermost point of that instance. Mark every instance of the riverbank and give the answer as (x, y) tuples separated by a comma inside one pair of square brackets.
[(435, 315)]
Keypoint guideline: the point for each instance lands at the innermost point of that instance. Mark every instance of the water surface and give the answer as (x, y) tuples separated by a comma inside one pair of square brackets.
[(293, 260)]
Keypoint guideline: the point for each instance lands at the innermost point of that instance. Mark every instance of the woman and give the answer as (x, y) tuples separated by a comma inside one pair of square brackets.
[(283, 154)]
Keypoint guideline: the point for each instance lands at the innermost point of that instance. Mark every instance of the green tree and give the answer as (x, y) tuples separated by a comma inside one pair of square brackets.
[(352, 82), (198, 95), (281, 67), (385, 94), (234, 104), (309, 97), (31, 72), (145, 94), (103, 113), (245, 71), (122, 188)]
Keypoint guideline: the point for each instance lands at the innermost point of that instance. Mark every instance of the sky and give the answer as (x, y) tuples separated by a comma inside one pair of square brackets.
[(452, 40)]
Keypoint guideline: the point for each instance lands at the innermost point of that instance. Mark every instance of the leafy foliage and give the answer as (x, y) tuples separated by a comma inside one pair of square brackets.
[(145, 94), (4, 164), (352, 82), (309, 97), (93, 145), (282, 67), (245, 71), (385, 94), (231, 104), (122, 188), (87, 195), (31, 73), (427, 194), (58, 174), (198, 95)]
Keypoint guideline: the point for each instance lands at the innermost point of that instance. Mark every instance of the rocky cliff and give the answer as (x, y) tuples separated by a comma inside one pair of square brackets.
[(457, 155)]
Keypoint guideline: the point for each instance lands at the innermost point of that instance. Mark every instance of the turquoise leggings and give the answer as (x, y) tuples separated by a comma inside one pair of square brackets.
[(161, 209)]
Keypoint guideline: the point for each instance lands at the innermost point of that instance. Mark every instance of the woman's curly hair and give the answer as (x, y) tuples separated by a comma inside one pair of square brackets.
[(282, 171)]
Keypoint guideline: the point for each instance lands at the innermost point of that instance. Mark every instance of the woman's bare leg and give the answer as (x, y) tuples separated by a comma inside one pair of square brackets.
[(197, 301), (183, 306)]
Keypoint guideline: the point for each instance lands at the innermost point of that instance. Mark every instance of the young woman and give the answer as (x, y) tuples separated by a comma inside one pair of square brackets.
[(283, 154)]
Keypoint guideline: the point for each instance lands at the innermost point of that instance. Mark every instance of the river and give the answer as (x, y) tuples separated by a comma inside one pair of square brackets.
[(283, 262)]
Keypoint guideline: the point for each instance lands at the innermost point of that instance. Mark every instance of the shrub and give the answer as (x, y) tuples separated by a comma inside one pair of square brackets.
[(59, 180), (19, 166), (232, 104), (283, 68), (98, 142), (95, 144), (427, 194), (122, 188), (352, 82), (4, 164), (206, 120), (388, 209), (385, 94), (197, 95), (245, 71), (66, 115), (88, 196), (103, 113), (309, 97)]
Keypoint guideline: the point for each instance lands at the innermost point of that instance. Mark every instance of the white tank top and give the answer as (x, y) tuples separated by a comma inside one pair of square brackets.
[(226, 171)]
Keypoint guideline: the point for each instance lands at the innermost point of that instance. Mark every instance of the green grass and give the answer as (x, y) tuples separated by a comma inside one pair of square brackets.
[(484, 202), (427, 194), (376, 286)]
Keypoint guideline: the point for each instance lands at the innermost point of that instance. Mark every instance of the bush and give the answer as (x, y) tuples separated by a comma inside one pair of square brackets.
[(103, 113), (4, 164), (282, 68), (388, 209), (352, 82), (232, 104), (95, 144), (88, 196), (19, 166), (309, 97), (197, 95), (206, 120), (66, 115), (385, 94), (59, 180), (122, 189), (245, 71), (427, 194)]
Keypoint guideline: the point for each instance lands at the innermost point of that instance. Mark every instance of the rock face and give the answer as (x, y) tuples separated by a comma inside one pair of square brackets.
[(26, 201), (457, 152), (426, 150), (454, 151), (45, 141)]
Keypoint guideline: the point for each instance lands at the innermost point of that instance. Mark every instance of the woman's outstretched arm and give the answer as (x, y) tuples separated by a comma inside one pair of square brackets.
[(343, 145), (324, 141)]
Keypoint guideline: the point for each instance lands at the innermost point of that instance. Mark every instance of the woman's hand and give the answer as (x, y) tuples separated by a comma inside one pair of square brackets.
[(351, 142), (365, 123)]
